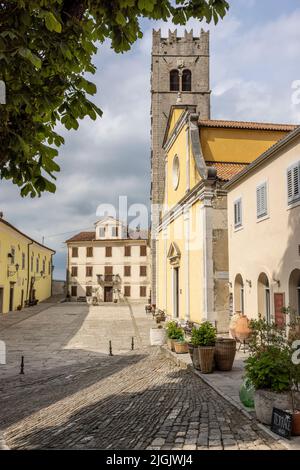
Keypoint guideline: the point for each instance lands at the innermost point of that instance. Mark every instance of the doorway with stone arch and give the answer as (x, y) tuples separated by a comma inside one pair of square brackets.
[(294, 291), (239, 295), (263, 297)]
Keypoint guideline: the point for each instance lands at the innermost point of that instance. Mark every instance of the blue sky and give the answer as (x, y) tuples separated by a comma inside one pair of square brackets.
[(255, 56)]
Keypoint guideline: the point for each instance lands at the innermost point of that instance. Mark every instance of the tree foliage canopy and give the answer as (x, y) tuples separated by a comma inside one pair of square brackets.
[(46, 49)]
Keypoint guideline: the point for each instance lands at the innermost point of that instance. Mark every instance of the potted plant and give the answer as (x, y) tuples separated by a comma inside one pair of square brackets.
[(181, 346), (207, 335), (193, 348), (173, 333), (157, 336), (271, 371)]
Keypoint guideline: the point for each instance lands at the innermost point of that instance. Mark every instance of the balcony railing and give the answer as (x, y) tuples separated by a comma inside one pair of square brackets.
[(108, 279)]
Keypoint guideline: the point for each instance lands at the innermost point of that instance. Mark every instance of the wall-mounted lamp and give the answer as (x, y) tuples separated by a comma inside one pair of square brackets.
[(277, 281), (249, 283)]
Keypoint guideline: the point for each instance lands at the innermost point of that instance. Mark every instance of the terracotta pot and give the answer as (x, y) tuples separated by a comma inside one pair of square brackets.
[(296, 423), (206, 357), (170, 343), (232, 324), (181, 348), (225, 353), (242, 330)]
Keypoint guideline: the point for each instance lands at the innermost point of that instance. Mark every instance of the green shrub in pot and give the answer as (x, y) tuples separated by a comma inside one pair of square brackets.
[(205, 337)]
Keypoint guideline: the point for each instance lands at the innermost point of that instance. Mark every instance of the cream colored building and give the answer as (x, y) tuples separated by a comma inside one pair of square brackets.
[(25, 269), (192, 237), (264, 232), (109, 263)]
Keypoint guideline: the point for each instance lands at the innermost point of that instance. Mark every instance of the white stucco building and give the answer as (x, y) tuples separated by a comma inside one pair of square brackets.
[(109, 263), (264, 232)]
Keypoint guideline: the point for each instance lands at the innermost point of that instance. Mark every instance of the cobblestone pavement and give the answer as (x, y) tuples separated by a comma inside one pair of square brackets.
[(138, 400)]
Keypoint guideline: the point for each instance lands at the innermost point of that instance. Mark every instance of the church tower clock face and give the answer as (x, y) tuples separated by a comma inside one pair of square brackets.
[(176, 172)]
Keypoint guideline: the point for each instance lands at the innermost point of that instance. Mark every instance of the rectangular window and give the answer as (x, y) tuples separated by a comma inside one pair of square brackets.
[(102, 232), (88, 291), (238, 213), (74, 252), (89, 271), (127, 271), (293, 183), (127, 251), (143, 291), (127, 291), (44, 266), (89, 251), (49, 267), (261, 201), (108, 251), (74, 291), (23, 260), (37, 265), (143, 271), (74, 271), (115, 231), (143, 250), (31, 263)]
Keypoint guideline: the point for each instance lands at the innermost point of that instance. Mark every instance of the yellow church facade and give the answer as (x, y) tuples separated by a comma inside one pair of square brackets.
[(25, 269), (192, 257)]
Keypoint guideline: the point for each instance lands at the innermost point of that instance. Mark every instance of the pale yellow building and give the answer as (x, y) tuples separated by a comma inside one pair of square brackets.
[(25, 269), (264, 232), (109, 263), (192, 237)]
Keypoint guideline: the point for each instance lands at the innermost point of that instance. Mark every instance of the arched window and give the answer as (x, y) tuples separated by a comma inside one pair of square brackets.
[(239, 300), (263, 297), (174, 80), (186, 80)]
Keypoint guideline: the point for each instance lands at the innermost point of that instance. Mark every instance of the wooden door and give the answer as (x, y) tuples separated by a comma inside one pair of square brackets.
[(11, 297), (1, 299), (279, 303), (108, 294)]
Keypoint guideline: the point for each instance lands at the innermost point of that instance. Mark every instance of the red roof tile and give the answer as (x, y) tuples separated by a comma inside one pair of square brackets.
[(246, 125), (82, 237), (226, 171)]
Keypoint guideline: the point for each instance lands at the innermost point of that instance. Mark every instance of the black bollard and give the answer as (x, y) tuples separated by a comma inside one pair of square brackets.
[(22, 365), (110, 349), (132, 343)]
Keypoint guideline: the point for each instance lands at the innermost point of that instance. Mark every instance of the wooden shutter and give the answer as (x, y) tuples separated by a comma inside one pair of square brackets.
[(143, 291), (89, 271), (143, 250), (261, 200), (108, 251), (238, 213), (108, 269), (127, 291), (143, 270), (293, 183), (127, 271), (74, 252), (74, 271), (89, 251), (127, 250)]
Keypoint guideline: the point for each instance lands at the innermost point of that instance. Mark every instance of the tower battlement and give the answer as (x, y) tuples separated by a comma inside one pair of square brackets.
[(174, 43)]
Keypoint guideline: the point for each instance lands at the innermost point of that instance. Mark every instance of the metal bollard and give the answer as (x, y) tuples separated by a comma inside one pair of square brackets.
[(22, 365), (132, 343), (110, 349)]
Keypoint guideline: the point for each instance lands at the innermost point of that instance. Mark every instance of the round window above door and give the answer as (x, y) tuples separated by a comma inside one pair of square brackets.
[(176, 172)]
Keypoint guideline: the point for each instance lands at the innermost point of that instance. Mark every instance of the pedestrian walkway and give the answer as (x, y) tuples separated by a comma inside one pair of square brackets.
[(227, 385)]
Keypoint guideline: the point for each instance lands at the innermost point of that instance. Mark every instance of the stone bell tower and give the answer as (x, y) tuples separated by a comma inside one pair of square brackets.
[(179, 70)]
